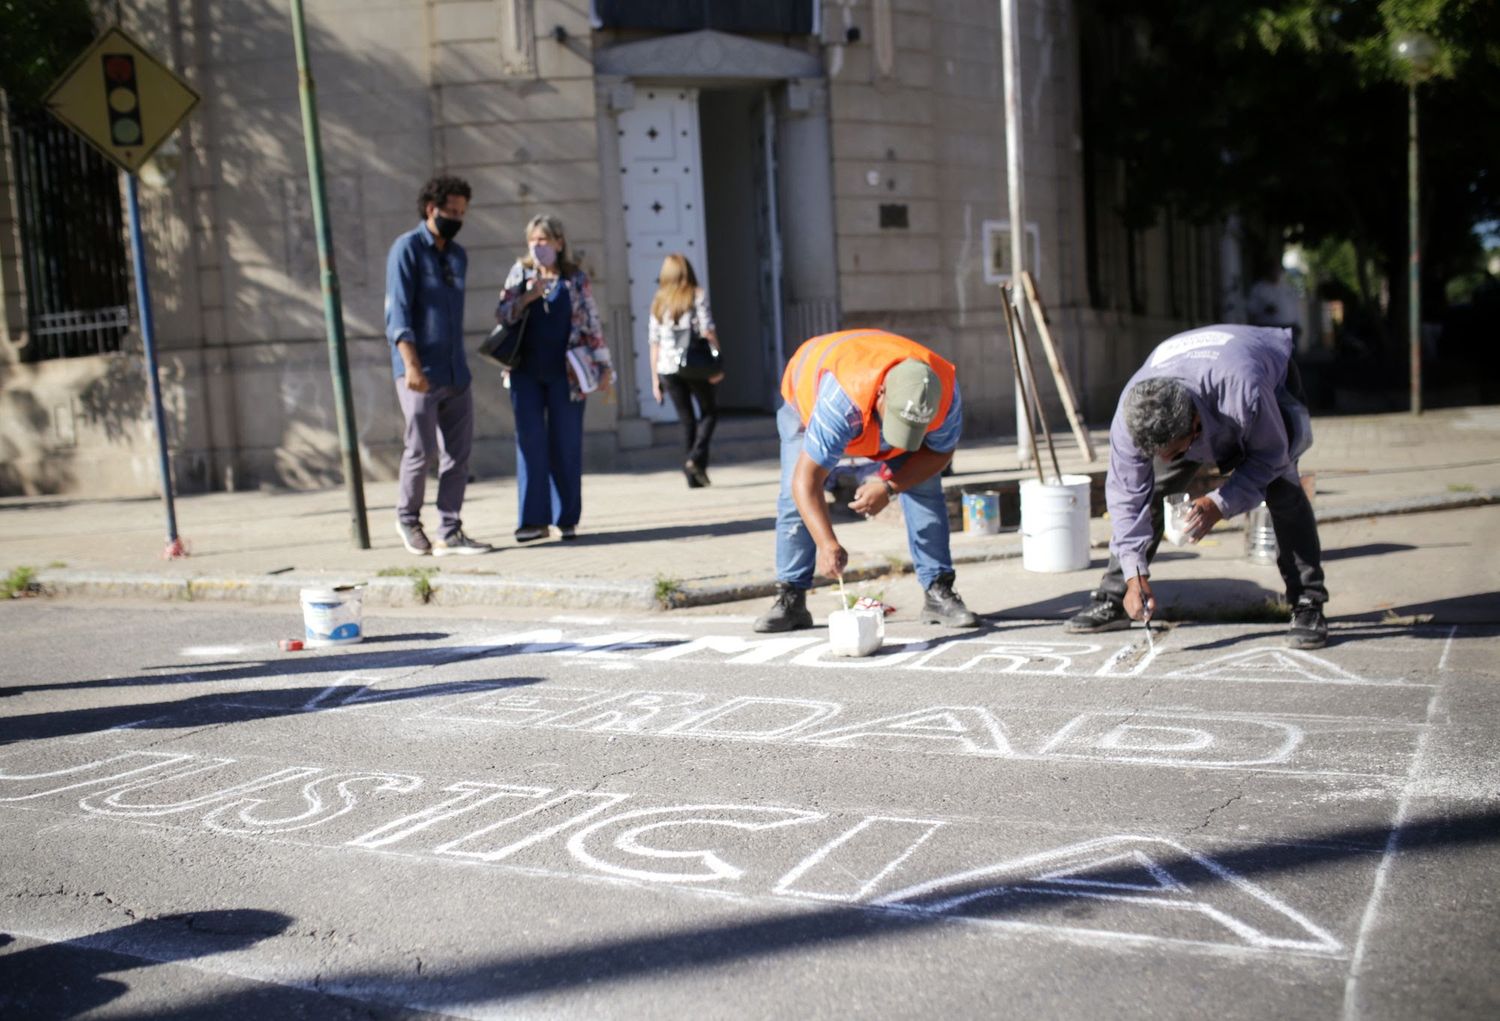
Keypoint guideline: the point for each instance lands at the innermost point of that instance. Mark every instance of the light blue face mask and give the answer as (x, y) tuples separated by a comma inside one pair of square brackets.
[(544, 255)]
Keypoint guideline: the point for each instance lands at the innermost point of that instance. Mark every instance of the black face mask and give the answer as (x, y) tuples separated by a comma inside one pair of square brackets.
[(447, 226)]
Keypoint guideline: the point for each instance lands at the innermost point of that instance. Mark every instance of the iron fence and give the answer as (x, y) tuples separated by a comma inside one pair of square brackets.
[(73, 256)]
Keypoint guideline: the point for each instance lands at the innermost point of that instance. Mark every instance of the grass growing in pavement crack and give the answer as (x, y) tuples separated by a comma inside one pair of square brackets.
[(668, 592), (421, 580), (20, 582)]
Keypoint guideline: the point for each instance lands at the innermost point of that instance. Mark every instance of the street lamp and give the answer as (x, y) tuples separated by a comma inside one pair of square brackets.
[(1418, 53)]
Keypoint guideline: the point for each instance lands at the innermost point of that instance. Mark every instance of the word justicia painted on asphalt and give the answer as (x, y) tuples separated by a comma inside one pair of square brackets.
[(1139, 887)]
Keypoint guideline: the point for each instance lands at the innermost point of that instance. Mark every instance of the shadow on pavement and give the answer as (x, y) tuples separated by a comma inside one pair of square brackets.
[(1479, 608), (999, 894), (333, 660), (1215, 600), (57, 980), (228, 707), (706, 530)]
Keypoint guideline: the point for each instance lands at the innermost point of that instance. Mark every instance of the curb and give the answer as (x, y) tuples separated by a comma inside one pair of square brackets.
[(457, 590)]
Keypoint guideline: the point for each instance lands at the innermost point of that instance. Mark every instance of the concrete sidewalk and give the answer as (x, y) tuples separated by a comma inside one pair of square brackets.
[(645, 541)]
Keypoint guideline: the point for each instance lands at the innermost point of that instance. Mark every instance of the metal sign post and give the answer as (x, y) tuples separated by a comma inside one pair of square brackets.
[(333, 312), (125, 103), (175, 547), (1010, 65)]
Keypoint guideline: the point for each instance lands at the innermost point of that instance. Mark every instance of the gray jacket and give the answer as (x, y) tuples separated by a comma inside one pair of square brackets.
[(1233, 374)]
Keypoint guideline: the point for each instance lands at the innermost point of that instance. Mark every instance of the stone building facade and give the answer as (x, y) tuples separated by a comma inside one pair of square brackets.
[(825, 164)]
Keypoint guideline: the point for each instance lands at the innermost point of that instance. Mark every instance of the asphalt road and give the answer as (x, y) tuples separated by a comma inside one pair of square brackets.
[(667, 816)]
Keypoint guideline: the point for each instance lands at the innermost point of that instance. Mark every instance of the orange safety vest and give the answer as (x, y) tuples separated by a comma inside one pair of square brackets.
[(859, 360)]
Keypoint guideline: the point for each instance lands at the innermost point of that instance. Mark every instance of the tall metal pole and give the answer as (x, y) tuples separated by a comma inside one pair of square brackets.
[(333, 312), (1413, 226), (1009, 59), (148, 340)]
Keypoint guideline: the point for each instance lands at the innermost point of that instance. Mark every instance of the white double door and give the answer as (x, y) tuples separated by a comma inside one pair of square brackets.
[(662, 192)]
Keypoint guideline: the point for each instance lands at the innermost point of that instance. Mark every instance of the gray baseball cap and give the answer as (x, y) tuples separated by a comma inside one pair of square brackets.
[(912, 395)]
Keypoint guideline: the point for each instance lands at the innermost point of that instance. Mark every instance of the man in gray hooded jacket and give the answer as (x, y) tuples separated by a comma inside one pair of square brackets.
[(1228, 395)]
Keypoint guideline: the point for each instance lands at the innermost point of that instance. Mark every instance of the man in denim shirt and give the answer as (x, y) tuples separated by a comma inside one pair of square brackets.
[(1228, 395), (424, 321)]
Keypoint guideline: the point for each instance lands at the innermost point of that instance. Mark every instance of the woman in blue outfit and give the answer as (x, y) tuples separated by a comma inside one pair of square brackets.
[(562, 341)]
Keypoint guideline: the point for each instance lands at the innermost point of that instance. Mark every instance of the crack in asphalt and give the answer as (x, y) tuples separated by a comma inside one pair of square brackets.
[(1218, 808)]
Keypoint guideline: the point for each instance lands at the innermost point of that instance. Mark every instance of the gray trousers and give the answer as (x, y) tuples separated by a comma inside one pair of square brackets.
[(1300, 554), (439, 427)]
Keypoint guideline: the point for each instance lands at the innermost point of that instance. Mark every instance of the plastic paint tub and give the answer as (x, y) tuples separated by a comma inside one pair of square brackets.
[(333, 616), (1055, 525), (982, 513), (855, 632)]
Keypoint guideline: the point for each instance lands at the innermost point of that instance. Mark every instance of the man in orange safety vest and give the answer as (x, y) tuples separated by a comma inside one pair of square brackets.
[(873, 395)]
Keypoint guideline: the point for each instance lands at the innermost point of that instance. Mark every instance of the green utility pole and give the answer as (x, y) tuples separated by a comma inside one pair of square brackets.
[(1418, 53), (333, 311), (1414, 262)]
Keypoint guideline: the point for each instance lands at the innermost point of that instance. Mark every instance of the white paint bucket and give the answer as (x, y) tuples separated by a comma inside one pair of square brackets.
[(1055, 525), (855, 632), (333, 616), (982, 513)]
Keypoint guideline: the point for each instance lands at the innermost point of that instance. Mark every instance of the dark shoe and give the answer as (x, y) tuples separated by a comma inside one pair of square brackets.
[(569, 532), (1309, 627), (459, 544), (413, 538), (531, 533), (697, 477), (788, 613), (692, 480), (1104, 614), (945, 606)]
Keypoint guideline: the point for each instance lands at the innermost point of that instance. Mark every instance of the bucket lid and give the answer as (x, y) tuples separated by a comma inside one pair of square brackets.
[(333, 594)]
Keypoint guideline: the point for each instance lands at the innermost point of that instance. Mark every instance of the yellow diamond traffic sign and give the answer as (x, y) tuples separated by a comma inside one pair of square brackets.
[(121, 99)]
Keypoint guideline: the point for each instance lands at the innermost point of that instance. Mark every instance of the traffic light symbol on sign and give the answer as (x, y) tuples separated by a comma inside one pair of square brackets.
[(123, 96)]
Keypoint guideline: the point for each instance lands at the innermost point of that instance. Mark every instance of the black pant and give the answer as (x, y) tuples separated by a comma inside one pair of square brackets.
[(1299, 557), (698, 428)]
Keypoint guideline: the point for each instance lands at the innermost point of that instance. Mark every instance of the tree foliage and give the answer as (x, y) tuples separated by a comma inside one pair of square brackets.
[(1294, 114), (42, 39)]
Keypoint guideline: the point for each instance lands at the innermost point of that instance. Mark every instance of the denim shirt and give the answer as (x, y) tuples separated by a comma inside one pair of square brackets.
[(424, 304)]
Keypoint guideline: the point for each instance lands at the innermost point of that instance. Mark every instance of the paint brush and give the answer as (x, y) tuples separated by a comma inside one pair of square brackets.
[(1146, 607)]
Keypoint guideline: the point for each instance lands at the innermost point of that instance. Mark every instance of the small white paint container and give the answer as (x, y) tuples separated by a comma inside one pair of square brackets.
[(856, 632), (333, 616), (1175, 510)]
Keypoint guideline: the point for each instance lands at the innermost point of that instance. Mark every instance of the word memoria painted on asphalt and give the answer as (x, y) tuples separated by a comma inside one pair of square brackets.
[(1175, 736), (989, 653), (1109, 886)]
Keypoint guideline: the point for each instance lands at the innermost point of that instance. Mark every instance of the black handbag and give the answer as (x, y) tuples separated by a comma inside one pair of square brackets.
[(503, 345), (698, 361)]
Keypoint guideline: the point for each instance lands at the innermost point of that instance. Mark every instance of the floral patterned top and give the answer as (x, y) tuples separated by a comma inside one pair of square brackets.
[(587, 331), (671, 339)]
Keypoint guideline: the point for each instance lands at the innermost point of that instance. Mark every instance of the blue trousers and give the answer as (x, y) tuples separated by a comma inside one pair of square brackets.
[(549, 451), (923, 507)]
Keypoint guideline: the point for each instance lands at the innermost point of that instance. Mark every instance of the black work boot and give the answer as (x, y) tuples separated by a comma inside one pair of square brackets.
[(945, 606), (788, 613), (1309, 628), (1104, 613)]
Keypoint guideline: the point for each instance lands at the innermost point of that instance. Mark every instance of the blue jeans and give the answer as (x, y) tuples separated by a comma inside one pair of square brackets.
[(549, 451), (923, 507)]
